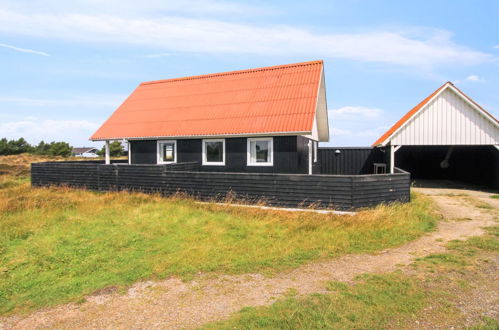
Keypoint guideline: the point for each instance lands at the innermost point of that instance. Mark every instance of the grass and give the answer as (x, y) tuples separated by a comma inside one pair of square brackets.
[(370, 304), (59, 244), (494, 196), (394, 300)]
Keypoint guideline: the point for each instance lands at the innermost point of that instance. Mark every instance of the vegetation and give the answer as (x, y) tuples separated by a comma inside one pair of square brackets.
[(115, 150), (370, 304), (19, 146), (392, 300), (59, 244)]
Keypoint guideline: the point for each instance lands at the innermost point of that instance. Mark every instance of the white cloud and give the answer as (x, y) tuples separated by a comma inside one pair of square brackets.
[(427, 48), (340, 132), (474, 78), (375, 132), (355, 112), (157, 55), (87, 101), (496, 47), (24, 50), (152, 8), (35, 130)]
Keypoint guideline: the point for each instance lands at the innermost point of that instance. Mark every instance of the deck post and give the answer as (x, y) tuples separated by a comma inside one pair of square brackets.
[(310, 157), (393, 149), (129, 152), (108, 154)]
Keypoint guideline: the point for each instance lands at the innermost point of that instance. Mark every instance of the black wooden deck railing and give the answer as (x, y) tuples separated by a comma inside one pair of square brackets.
[(342, 192)]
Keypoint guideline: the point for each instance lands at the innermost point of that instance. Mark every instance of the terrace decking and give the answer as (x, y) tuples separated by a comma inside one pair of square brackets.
[(340, 192)]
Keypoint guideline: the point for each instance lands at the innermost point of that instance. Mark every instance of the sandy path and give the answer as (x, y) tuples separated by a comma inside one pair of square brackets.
[(174, 304)]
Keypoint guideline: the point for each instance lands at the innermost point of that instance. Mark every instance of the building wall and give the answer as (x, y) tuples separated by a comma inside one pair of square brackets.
[(290, 154), (349, 161), (448, 120)]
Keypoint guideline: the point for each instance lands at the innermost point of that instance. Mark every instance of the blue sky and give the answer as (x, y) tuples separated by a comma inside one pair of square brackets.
[(66, 65)]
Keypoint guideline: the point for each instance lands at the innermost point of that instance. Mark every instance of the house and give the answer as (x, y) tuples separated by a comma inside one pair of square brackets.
[(89, 152), (266, 120), (251, 135), (446, 136)]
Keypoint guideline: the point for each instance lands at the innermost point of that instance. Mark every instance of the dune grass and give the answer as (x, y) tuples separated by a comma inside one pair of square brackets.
[(59, 244), (393, 300)]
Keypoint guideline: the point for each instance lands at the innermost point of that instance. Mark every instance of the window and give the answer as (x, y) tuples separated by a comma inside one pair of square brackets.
[(260, 152), (167, 152), (214, 152)]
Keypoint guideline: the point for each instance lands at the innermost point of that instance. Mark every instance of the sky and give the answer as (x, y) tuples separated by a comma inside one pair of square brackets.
[(65, 66)]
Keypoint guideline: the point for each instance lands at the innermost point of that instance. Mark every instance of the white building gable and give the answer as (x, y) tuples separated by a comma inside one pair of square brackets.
[(449, 118)]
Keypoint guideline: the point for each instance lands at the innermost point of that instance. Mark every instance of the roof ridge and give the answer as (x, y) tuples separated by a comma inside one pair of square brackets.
[(227, 73), (409, 114), (423, 103)]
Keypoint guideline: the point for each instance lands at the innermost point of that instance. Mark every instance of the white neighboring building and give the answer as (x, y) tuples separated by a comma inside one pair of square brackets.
[(446, 136), (88, 152)]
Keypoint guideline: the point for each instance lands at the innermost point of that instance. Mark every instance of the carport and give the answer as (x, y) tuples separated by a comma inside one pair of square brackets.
[(446, 136)]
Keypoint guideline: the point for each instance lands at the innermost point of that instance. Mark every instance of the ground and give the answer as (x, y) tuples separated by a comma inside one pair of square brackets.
[(436, 282)]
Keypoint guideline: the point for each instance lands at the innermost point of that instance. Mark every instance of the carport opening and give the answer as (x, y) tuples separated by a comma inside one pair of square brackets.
[(478, 165)]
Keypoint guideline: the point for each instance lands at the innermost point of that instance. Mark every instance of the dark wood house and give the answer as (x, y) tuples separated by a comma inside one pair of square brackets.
[(265, 120)]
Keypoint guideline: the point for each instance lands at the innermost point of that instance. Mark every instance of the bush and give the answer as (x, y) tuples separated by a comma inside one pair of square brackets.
[(115, 150), (15, 147)]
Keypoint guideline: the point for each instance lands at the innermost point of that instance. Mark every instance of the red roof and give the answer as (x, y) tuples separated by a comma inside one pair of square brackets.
[(418, 107), (271, 100)]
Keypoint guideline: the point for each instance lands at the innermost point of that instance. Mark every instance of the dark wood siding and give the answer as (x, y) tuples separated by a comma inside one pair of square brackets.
[(144, 152), (348, 160), (290, 155), (322, 191)]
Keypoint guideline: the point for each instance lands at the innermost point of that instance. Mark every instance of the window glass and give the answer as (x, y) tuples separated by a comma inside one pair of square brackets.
[(260, 151), (169, 152), (166, 151), (214, 151)]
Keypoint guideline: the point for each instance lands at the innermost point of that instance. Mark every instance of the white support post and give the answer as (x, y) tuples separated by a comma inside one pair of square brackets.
[(108, 153), (310, 157), (393, 149), (129, 153)]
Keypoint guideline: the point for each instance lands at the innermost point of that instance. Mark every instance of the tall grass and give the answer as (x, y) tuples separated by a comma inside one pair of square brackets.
[(58, 244)]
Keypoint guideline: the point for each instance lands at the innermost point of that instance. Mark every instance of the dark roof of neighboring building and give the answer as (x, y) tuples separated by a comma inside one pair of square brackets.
[(81, 150)]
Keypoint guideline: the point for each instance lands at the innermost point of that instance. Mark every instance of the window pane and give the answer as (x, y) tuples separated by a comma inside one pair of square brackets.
[(214, 151), (168, 152), (262, 151)]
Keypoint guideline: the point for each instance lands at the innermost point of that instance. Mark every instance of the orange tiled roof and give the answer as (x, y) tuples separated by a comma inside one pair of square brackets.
[(270, 100)]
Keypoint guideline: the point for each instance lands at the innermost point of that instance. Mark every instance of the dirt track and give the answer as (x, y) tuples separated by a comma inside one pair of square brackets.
[(174, 304)]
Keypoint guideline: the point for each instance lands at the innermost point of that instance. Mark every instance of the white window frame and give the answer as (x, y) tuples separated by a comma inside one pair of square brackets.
[(205, 162), (158, 151), (248, 152)]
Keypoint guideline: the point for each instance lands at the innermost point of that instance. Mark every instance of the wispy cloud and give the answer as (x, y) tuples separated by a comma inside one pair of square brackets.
[(496, 47), (93, 101), (335, 131), (35, 130), (427, 48), (24, 50), (474, 78), (157, 55), (355, 112)]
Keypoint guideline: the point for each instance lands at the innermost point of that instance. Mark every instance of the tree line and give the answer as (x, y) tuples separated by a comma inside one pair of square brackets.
[(19, 146)]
